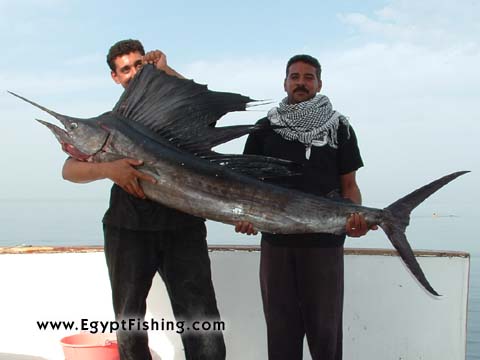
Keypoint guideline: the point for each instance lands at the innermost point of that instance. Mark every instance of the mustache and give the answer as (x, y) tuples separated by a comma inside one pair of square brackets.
[(300, 88)]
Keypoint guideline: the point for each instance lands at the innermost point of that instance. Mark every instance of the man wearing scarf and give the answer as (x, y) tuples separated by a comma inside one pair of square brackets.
[(301, 275)]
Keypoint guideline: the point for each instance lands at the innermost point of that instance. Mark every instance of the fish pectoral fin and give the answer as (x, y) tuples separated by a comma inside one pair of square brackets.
[(257, 166)]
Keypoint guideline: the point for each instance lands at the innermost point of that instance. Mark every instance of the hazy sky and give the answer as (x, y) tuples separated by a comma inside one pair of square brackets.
[(405, 72)]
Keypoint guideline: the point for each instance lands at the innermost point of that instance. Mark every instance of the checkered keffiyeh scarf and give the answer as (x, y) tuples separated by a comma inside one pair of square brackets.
[(311, 122)]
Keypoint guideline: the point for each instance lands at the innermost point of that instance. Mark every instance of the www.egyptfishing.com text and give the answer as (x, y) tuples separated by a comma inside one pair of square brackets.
[(134, 324)]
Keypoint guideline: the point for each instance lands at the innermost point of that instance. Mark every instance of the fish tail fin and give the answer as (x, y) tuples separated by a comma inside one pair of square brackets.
[(398, 218)]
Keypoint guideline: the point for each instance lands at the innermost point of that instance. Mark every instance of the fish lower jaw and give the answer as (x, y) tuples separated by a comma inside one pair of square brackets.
[(75, 153)]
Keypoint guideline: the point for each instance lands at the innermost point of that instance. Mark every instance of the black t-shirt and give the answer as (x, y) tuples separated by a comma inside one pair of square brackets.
[(321, 173), (129, 212)]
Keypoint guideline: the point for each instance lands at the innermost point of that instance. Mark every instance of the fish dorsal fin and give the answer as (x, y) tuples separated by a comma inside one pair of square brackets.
[(179, 107), (184, 113)]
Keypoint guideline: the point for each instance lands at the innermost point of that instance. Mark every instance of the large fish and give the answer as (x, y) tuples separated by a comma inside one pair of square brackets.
[(167, 123)]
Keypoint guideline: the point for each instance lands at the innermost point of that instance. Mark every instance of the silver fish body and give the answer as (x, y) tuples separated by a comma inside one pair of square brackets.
[(215, 192)]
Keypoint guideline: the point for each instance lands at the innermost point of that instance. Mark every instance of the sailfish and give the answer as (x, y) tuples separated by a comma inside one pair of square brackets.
[(167, 123)]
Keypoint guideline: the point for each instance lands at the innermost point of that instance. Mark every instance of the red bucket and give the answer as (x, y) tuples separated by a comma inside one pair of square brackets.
[(87, 346)]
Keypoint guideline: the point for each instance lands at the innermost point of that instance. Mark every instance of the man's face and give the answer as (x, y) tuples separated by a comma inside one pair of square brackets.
[(301, 83), (126, 66)]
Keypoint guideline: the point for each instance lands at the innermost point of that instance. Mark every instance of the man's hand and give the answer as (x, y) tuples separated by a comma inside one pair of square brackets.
[(123, 173), (245, 227), (356, 226), (157, 58)]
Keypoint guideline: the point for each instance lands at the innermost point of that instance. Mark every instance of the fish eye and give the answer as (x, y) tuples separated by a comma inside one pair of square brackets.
[(72, 126)]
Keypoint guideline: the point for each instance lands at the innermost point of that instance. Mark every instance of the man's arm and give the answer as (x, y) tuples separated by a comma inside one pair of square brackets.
[(349, 188), (252, 147), (356, 225), (121, 172)]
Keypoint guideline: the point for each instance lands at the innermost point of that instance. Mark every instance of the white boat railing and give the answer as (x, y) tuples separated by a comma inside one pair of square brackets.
[(387, 313)]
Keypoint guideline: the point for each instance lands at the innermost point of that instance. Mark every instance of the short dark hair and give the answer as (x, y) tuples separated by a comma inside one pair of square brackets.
[(308, 60), (123, 47)]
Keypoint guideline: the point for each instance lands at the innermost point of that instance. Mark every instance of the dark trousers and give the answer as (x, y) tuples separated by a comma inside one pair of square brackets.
[(181, 259), (302, 293)]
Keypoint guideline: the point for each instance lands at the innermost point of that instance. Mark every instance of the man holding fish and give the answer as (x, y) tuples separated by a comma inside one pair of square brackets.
[(143, 237), (301, 275)]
